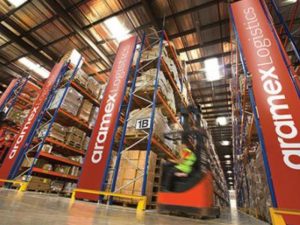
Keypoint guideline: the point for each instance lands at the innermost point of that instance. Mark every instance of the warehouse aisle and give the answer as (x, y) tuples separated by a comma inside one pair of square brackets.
[(42, 209)]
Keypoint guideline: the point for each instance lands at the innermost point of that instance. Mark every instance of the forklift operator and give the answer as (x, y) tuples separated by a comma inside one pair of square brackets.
[(178, 168)]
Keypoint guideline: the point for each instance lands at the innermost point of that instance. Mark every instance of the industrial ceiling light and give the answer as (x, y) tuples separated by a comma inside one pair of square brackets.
[(16, 3), (289, 1), (222, 121), (229, 172), (225, 143), (116, 28), (227, 156), (231, 183), (211, 68), (37, 68), (228, 162), (229, 178)]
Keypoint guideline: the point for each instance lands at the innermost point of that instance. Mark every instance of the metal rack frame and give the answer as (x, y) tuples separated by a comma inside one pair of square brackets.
[(12, 93)]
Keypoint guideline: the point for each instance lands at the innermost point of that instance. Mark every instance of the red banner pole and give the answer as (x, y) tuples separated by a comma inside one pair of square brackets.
[(97, 157), (16, 150), (276, 100)]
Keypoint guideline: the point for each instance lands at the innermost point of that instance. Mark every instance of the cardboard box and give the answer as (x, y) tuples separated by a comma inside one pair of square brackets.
[(93, 116), (94, 87), (85, 110)]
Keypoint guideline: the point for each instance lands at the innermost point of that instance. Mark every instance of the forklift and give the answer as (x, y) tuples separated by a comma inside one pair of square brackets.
[(191, 195)]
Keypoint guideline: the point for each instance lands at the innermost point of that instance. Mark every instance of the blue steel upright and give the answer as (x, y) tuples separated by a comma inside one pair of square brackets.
[(37, 123), (50, 123)]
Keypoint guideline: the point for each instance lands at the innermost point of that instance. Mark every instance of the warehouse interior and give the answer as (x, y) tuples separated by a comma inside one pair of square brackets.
[(37, 35)]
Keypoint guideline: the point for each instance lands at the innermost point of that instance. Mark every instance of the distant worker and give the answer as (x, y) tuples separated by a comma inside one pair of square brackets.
[(178, 168)]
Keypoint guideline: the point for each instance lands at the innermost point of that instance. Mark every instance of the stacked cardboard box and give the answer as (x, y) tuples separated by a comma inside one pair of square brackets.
[(17, 116), (39, 184), (94, 87), (56, 186), (68, 187), (27, 162), (57, 131), (75, 137), (130, 179), (85, 110), (256, 192), (80, 77), (71, 102), (47, 148), (173, 69), (86, 143), (93, 116), (152, 54), (147, 82), (63, 169)]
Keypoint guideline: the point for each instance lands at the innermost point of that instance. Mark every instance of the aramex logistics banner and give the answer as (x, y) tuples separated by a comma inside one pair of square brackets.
[(277, 102), (93, 170), (18, 145)]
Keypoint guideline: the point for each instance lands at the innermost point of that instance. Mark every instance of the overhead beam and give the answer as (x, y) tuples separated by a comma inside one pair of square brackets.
[(216, 107), (201, 28), (58, 9), (205, 44), (216, 100), (47, 21), (193, 9), (6, 70), (120, 12), (149, 10), (214, 94), (199, 60), (227, 66), (215, 116), (33, 40), (29, 48)]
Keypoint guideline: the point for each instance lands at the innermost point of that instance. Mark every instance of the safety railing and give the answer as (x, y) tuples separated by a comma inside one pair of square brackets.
[(141, 206), (23, 184), (277, 215)]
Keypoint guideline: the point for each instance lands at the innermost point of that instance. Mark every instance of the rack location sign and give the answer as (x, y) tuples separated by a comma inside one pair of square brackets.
[(97, 157), (276, 98), (143, 123)]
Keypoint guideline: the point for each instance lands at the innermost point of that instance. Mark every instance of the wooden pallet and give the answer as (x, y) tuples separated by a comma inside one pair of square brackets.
[(39, 191), (56, 139), (73, 144), (148, 94)]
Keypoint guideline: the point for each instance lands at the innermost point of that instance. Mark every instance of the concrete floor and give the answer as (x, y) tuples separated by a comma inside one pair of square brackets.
[(43, 209)]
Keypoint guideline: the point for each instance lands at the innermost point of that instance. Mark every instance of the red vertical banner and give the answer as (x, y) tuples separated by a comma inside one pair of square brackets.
[(277, 101), (20, 139), (93, 170), (8, 90)]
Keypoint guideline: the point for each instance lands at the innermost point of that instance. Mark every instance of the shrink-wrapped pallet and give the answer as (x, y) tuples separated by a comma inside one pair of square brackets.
[(75, 137), (146, 82), (131, 170), (71, 102), (85, 110), (93, 116), (94, 87), (57, 132)]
